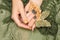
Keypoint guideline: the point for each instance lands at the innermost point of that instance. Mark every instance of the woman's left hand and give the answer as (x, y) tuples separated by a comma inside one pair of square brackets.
[(38, 3), (31, 20), (30, 17)]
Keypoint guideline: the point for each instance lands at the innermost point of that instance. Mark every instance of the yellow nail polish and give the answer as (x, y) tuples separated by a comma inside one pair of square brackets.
[(25, 21)]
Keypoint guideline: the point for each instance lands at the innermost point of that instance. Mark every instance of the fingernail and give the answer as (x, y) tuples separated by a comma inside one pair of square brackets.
[(32, 30), (25, 21)]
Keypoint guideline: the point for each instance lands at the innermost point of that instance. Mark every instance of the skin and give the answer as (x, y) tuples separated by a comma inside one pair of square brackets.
[(38, 3), (18, 8)]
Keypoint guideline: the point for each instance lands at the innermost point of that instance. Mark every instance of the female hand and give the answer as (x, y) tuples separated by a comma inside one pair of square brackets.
[(30, 16), (32, 22), (18, 13)]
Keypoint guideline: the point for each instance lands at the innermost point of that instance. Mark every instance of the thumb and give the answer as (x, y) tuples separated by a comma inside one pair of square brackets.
[(27, 7)]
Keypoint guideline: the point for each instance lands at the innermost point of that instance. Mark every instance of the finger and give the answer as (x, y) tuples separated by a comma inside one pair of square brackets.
[(30, 15), (25, 19), (22, 12), (27, 7), (18, 22), (33, 27), (31, 23), (23, 15)]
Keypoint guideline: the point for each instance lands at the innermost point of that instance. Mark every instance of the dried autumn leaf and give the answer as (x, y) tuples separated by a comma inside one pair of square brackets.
[(43, 23), (44, 14)]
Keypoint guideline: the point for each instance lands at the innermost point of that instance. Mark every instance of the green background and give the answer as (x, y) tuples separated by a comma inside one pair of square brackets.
[(9, 31)]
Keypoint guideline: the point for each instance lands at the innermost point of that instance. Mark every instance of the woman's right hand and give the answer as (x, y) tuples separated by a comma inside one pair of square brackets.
[(18, 14), (18, 9), (17, 6)]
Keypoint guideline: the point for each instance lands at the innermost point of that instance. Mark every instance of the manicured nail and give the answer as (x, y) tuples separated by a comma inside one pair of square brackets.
[(25, 21)]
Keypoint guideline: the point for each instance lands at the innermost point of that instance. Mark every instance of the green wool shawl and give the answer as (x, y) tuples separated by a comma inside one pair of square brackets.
[(10, 31)]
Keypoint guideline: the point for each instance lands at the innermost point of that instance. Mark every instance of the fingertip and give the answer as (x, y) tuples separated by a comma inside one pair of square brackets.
[(25, 21), (33, 27), (24, 18), (31, 22)]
